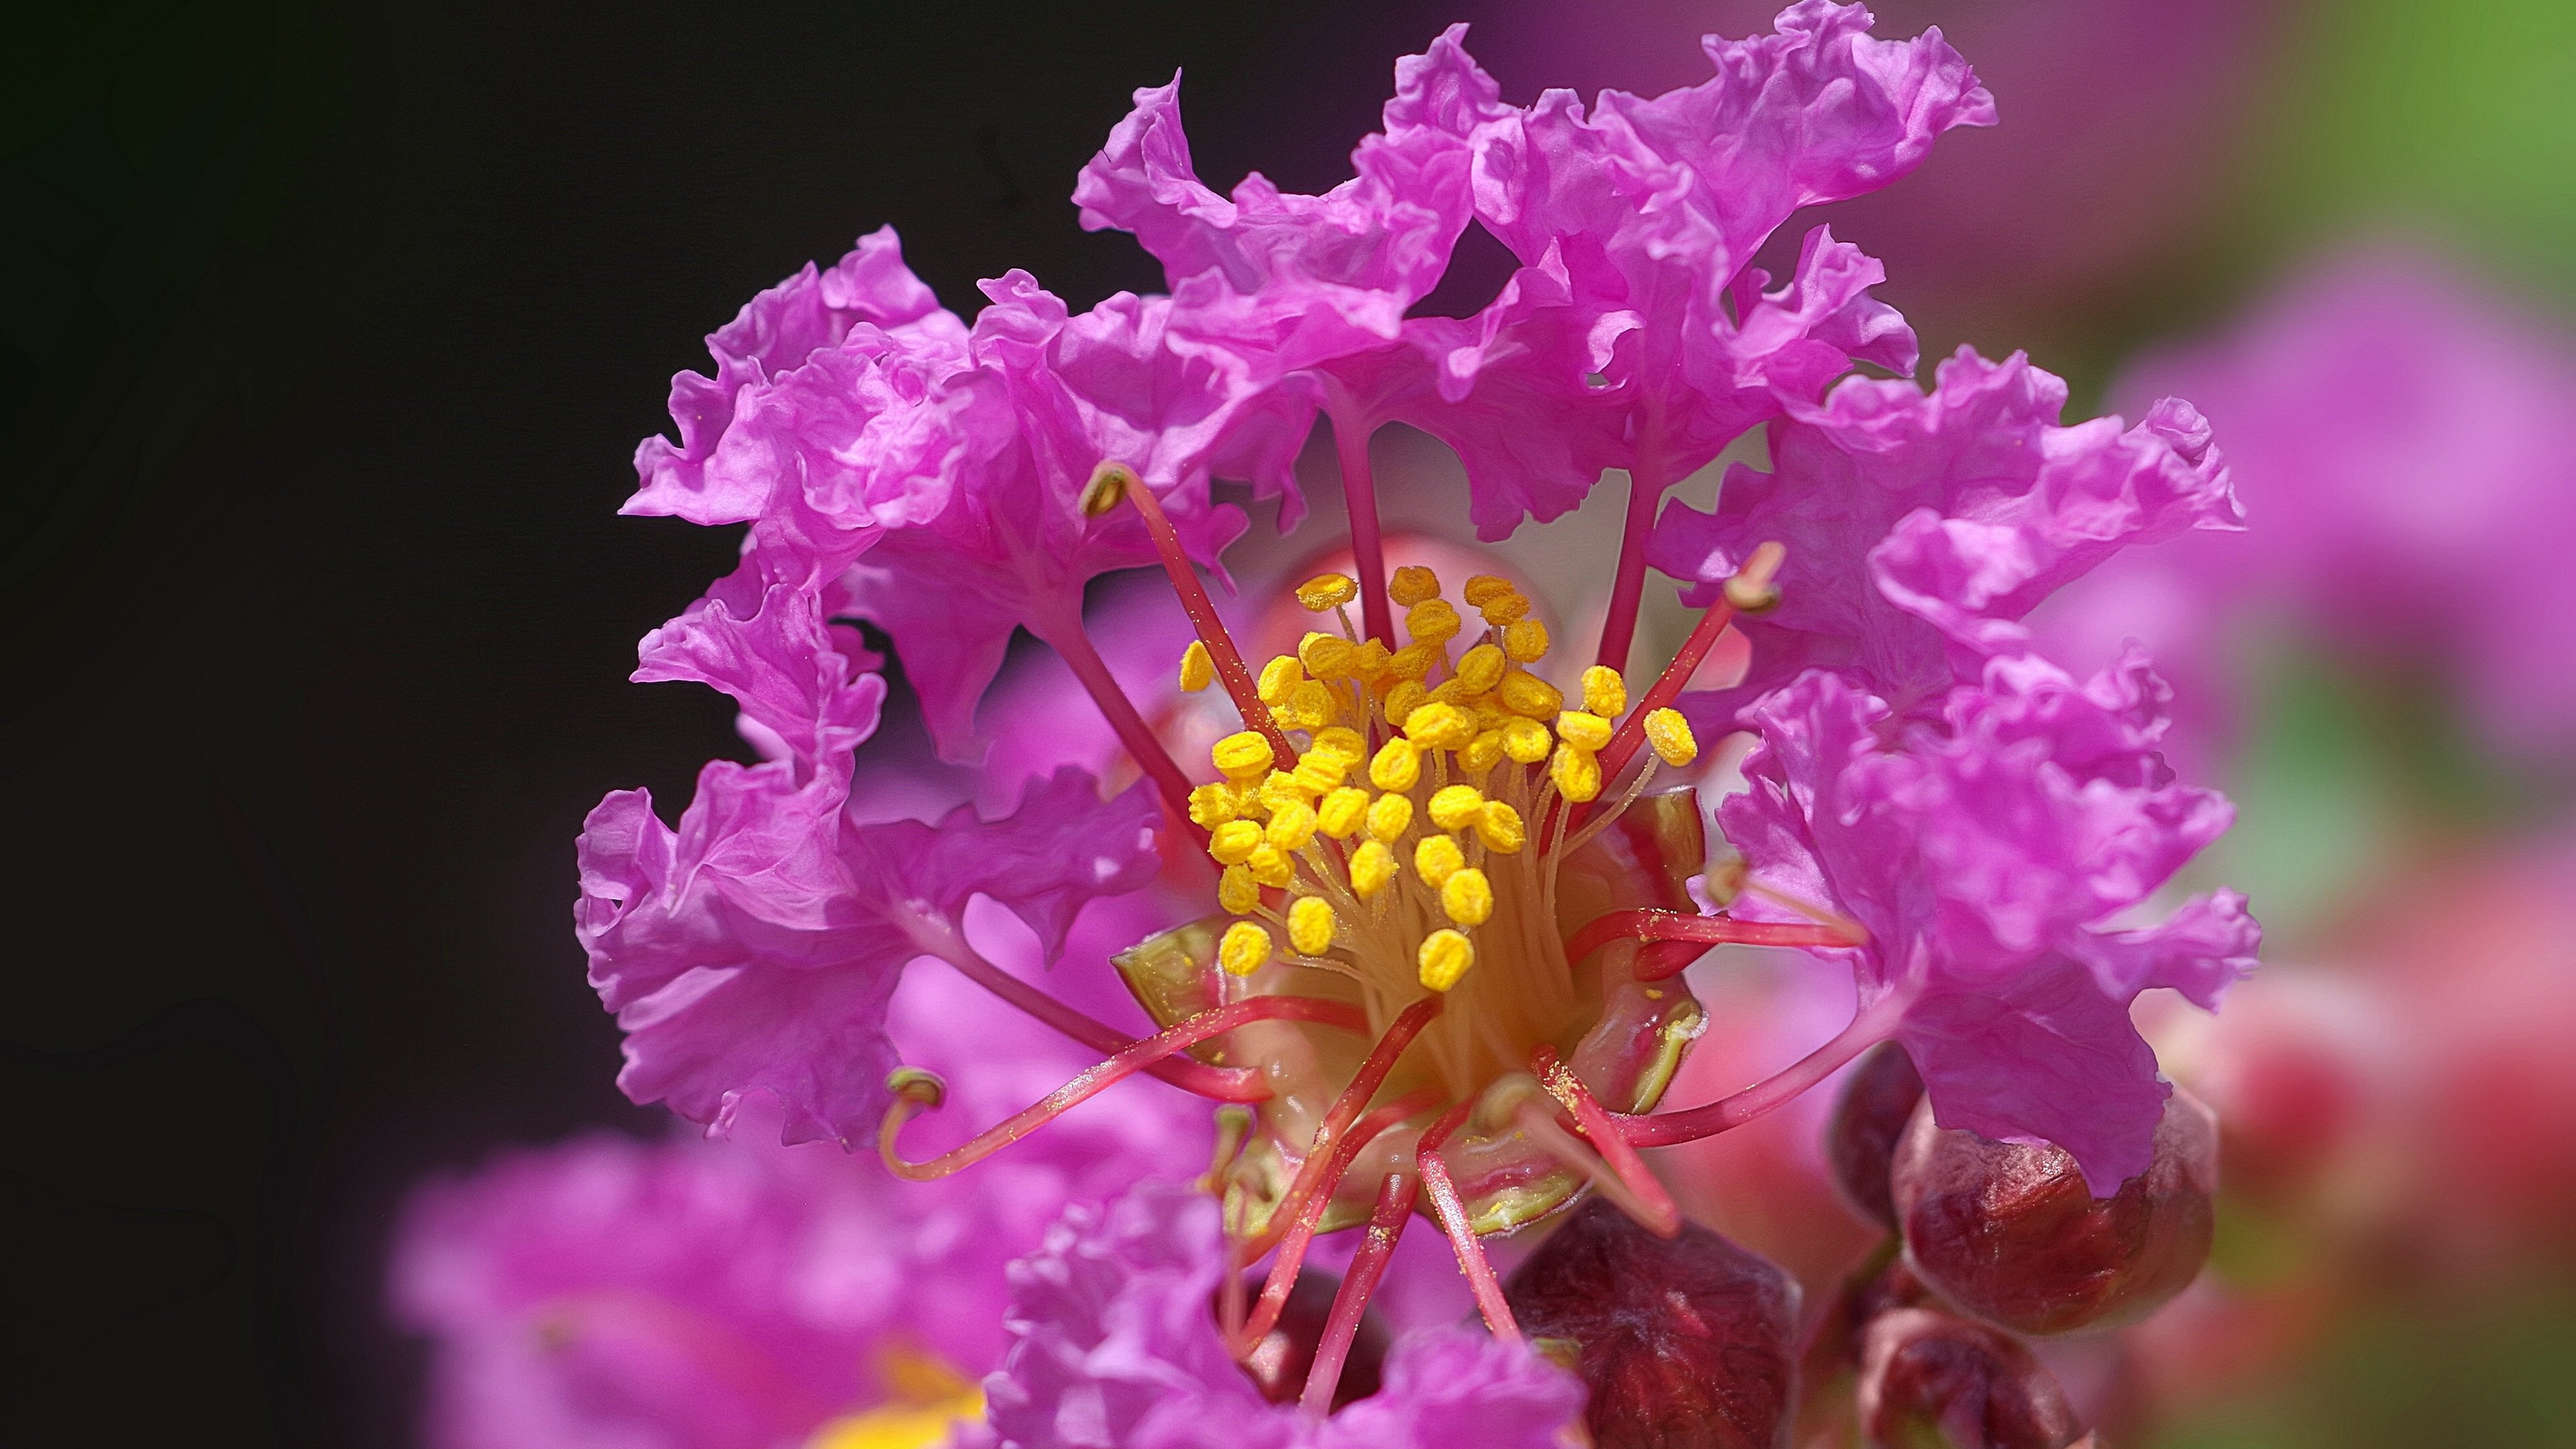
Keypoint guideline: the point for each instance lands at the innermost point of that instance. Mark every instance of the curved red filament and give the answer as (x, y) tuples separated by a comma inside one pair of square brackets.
[(1667, 1129), (1172, 1040), (1303, 1214), (1385, 1227), (1223, 1084), (1452, 1213), (1655, 1206), (1717, 930)]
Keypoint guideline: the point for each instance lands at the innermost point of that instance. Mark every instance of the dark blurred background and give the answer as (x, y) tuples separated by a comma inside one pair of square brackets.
[(330, 330)]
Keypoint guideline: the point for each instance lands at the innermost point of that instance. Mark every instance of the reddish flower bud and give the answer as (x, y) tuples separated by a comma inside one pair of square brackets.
[(2010, 1232), (1279, 1362), (1929, 1378), (1685, 1343), (1860, 1140)]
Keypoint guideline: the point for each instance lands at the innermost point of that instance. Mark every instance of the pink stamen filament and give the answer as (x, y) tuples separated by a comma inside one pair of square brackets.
[(1075, 647), (1223, 1084), (1452, 1213), (1717, 930), (1359, 501), (1868, 1029), (1386, 1226), (1660, 1214), (1330, 1156), (1309, 1211), (1211, 629), (1172, 1040)]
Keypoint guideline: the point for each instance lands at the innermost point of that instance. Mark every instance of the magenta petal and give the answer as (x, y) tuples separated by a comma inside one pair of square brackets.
[(755, 948), (1987, 854)]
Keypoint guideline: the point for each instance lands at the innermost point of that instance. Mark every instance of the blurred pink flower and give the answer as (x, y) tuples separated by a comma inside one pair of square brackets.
[(2405, 445)]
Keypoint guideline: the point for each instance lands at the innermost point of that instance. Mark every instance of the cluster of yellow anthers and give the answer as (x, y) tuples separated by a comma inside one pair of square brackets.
[(1412, 755)]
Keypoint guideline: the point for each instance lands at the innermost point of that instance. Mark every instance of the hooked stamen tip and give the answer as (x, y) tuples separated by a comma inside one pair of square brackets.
[(1107, 488)]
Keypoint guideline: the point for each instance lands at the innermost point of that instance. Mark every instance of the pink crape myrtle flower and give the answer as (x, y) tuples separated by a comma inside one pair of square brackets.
[(2407, 443), (1112, 1345), (1417, 912), (1922, 527), (1986, 858)]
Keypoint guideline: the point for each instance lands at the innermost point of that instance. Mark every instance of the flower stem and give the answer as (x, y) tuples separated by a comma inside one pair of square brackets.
[(1628, 587), (920, 1090), (1386, 1225), (1070, 642), (1359, 501)]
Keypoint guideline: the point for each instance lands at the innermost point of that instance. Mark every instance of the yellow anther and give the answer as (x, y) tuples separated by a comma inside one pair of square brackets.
[(1232, 842), (1415, 660), (1508, 610), (1342, 743), (1466, 897), (1370, 659), (1526, 741), (1581, 730), (1432, 621), (1248, 804), (1456, 807), (1450, 691), (1483, 589), (1237, 891), (1525, 641), (1291, 826), (1271, 866), (1327, 591), (1576, 771), (1343, 812), (1244, 948), (1211, 806), (1439, 726), (1411, 585), (1310, 925), (1444, 957), (1397, 766), (1311, 705), (1318, 773), (1279, 788), (1436, 858), (1604, 692), (1671, 736), (1407, 696), (1372, 866), (1530, 695), (1480, 668), (1278, 677), (1326, 656), (1389, 816), (1500, 827), (1241, 756), (1483, 752), (1198, 670)]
